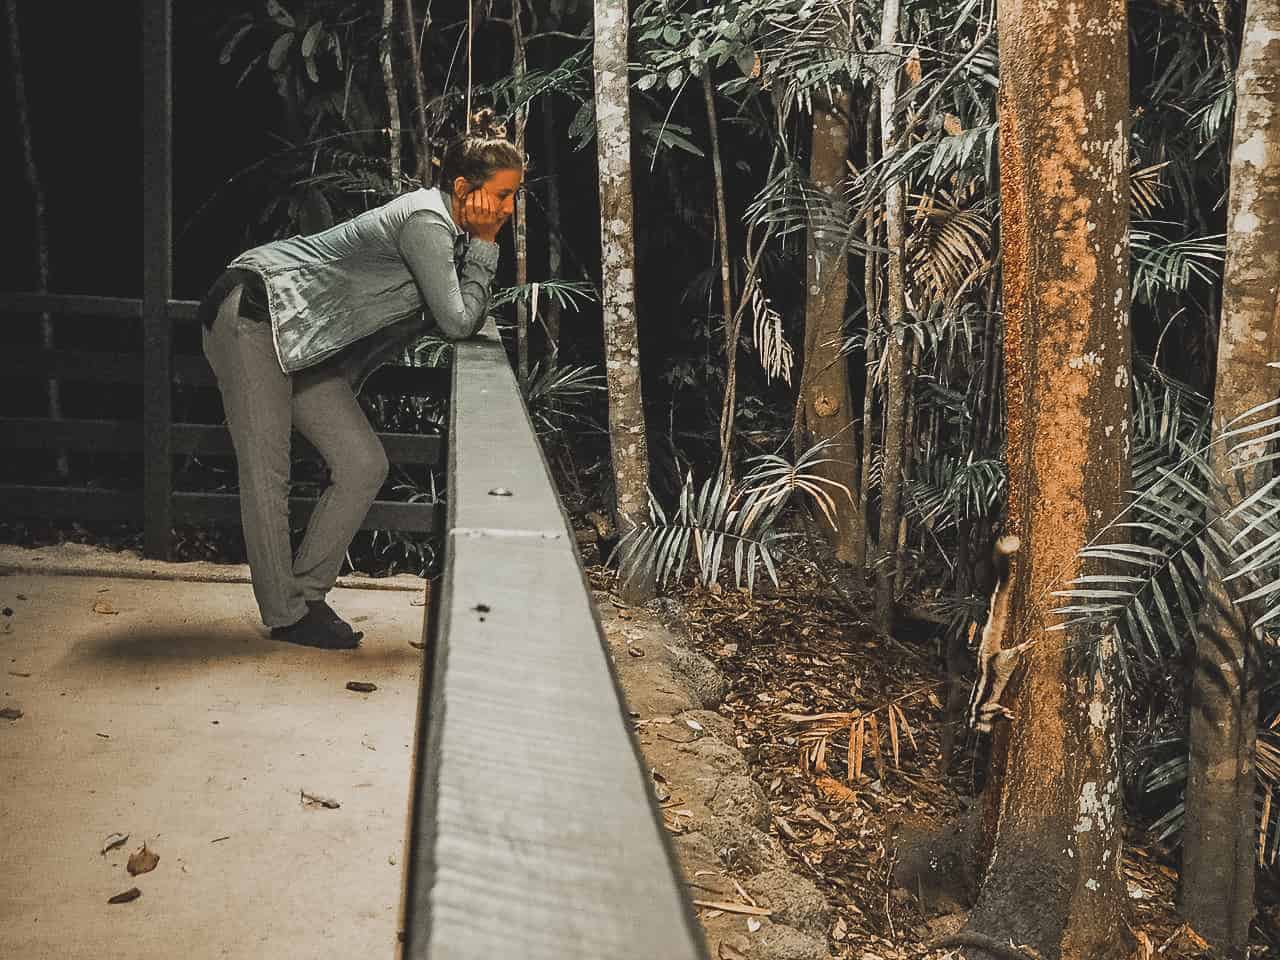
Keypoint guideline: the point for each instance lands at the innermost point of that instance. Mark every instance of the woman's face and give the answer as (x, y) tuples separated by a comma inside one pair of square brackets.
[(502, 186)]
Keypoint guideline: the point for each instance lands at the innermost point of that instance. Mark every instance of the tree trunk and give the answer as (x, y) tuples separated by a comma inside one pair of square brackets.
[(548, 16), (1220, 833), (908, 465), (871, 293), (825, 398), (518, 68), (894, 391), (555, 243), (732, 319), (53, 394), (1054, 882), (617, 259), (393, 97), (422, 140)]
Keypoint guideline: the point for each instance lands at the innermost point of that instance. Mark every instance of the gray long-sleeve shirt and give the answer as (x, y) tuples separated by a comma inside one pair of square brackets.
[(361, 290)]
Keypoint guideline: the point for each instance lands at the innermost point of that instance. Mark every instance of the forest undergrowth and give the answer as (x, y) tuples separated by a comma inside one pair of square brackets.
[(842, 729)]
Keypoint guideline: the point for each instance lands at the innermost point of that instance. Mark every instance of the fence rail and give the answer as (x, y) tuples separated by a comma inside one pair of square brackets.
[(180, 439)]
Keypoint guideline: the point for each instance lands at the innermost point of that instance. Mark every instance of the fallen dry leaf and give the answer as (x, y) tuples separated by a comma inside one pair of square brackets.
[(734, 908), (833, 789), (10, 713), (104, 607), (133, 893), (314, 799), (360, 686), (141, 860), (729, 952), (113, 841)]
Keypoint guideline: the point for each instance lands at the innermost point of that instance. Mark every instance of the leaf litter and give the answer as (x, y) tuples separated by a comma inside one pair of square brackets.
[(843, 732)]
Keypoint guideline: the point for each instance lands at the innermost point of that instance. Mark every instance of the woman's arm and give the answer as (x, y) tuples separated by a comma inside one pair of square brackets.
[(457, 299)]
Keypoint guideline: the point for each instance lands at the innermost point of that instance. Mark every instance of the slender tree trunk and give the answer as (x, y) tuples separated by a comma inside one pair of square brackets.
[(555, 243), (1054, 881), (1220, 834), (549, 16), (518, 69), (825, 399), (32, 172), (422, 142), (956, 653), (871, 279), (908, 465), (617, 258), (732, 320), (389, 85), (894, 392)]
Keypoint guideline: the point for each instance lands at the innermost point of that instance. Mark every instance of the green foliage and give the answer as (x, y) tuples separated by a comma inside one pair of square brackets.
[(720, 514)]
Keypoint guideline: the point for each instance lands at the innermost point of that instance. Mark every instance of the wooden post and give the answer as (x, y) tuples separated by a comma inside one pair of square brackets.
[(157, 272)]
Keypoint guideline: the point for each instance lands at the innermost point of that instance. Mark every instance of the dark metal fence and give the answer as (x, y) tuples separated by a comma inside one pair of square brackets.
[(154, 434)]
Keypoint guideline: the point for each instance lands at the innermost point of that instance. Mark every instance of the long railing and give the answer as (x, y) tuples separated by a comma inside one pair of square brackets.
[(535, 831)]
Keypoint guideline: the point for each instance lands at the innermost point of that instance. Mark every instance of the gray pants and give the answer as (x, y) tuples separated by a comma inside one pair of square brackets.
[(263, 404)]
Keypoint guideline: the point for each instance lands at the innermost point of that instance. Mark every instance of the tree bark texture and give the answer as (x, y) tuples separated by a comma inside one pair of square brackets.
[(617, 258), (871, 294), (393, 96), (826, 399), (555, 243), (1220, 832), (894, 388), (732, 319), (422, 140), (1053, 881), (519, 60)]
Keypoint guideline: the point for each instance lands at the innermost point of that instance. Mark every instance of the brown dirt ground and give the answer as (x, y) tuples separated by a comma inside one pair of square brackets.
[(786, 681)]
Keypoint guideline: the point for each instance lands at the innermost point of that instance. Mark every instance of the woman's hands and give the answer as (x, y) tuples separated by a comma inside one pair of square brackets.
[(483, 214)]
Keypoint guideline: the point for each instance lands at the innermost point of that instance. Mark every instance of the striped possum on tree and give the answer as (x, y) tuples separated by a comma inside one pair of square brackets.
[(995, 663)]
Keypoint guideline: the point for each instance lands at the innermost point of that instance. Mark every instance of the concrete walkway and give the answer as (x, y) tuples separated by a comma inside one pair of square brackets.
[(161, 709)]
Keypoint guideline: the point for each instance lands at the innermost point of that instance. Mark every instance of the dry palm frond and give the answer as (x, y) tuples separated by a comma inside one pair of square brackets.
[(1145, 186), (776, 354), (949, 250), (774, 479)]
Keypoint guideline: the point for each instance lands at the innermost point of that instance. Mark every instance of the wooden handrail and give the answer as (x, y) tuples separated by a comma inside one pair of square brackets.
[(535, 832)]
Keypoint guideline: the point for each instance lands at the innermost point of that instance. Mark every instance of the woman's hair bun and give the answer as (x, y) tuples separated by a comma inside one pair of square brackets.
[(486, 126)]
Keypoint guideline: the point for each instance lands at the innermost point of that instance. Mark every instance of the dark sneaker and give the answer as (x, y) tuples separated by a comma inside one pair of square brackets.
[(313, 630), (330, 616)]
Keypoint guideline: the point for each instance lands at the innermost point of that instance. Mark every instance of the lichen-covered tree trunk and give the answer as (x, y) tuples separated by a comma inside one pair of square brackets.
[(617, 266), (893, 391), (519, 67), (826, 400), (732, 318), (555, 242), (389, 86), (1220, 833), (421, 140), (1053, 881)]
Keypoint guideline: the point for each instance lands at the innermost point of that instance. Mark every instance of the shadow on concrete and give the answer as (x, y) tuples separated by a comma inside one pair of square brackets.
[(183, 644)]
